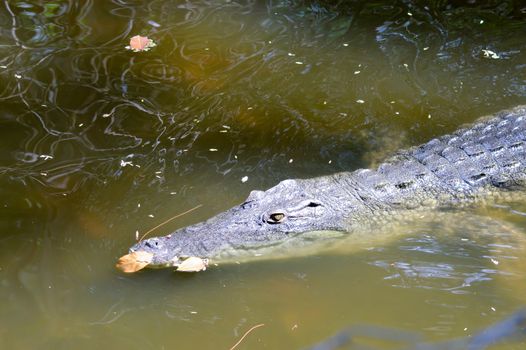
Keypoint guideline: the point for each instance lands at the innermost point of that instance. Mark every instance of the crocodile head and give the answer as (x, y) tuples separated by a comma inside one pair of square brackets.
[(278, 221)]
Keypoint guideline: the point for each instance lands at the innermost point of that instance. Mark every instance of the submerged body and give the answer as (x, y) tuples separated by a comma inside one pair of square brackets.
[(480, 162)]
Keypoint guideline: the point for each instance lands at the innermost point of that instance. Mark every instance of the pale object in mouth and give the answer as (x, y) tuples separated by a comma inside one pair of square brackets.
[(192, 264), (138, 260), (134, 262)]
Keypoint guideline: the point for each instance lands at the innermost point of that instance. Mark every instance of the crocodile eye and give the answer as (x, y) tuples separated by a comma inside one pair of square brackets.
[(276, 218)]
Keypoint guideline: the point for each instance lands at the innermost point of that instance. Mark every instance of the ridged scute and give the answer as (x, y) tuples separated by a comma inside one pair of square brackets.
[(490, 153)]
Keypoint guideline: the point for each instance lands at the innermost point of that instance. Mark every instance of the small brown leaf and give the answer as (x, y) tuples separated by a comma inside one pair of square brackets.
[(193, 264), (134, 261), (140, 43)]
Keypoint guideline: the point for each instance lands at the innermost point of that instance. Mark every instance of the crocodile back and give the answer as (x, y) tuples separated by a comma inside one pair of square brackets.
[(486, 157)]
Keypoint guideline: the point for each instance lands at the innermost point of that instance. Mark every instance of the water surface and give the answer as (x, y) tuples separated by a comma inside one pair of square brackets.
[(99, 143)]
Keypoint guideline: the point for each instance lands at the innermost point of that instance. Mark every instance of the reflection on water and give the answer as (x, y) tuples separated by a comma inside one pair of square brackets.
[(99, 142)]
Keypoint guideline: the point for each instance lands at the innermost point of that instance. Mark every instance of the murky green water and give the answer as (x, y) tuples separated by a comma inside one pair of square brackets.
[(97, 142)]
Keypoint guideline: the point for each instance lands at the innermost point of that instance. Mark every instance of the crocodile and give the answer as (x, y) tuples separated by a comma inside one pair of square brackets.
[(479, 163)]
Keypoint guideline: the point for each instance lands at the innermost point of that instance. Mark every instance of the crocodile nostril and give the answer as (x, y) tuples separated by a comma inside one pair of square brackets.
[(152, 244)]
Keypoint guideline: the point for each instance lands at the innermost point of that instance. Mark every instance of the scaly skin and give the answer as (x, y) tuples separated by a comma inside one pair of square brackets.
[(487, 159)]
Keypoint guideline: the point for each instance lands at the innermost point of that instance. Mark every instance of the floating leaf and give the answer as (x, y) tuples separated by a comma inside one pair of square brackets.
[(193, 264), (141, 43), (134, 261)]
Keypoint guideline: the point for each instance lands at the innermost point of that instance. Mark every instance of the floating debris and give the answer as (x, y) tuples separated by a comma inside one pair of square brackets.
[(244, 335), (244, 179), (213, 150), (140, 43), (153, 24), (45, 156), (360, 101), (490, 54)]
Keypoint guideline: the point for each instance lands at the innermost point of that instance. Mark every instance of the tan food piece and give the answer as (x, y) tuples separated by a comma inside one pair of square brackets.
[(193, 264), (134, 261)]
